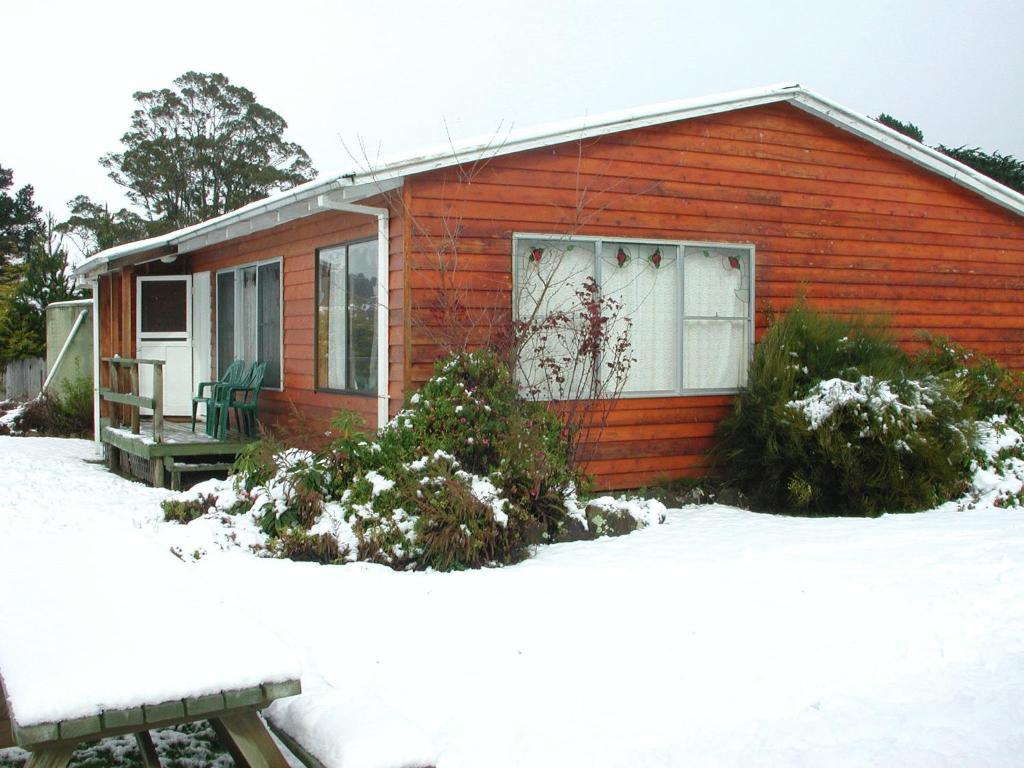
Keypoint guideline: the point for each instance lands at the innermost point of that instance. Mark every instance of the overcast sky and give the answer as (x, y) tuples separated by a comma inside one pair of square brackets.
[(395, 73)]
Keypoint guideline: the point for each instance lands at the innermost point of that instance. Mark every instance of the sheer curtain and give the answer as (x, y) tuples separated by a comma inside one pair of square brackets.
[(647, 285), (715, 325), (247, 333), (550, 274), (337, 334)]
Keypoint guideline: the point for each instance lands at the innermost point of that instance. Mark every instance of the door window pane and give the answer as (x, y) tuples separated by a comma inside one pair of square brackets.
[(246, 332), (269, 341), (225, 320), (164, 306), (361, 346)]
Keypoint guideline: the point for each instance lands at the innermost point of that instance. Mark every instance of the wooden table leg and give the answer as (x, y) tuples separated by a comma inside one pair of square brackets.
[(248, 741), (147, 749), (51, 757)]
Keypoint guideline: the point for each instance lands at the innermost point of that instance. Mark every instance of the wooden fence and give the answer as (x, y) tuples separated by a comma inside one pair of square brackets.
[(24, 378)]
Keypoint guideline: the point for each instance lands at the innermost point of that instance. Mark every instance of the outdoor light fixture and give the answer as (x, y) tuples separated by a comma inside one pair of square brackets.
[(170, 258)]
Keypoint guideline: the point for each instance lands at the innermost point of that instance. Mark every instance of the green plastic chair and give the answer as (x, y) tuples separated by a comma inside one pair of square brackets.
[(244, 400), (233, 375)]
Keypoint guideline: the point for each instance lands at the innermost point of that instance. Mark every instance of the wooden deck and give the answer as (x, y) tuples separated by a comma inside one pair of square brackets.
[(179, 451)]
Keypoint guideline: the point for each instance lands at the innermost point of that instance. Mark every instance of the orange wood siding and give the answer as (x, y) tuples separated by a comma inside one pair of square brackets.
[(296, 243), (856, 227)]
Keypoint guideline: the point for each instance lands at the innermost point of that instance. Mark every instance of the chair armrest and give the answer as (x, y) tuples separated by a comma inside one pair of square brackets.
[(203, 385)]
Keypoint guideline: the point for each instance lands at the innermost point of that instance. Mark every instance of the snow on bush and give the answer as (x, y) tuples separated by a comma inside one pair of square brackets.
[(468, 474)]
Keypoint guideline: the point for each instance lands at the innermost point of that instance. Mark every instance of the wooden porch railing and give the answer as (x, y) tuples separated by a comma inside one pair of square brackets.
[(132, 399)]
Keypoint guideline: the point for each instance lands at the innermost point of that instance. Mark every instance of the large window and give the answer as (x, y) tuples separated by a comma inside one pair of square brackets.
[(689, 303), (346, 318), (249, 318)]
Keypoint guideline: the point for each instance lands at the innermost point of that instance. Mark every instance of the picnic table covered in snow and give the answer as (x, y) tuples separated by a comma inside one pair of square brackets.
[(87, 649)]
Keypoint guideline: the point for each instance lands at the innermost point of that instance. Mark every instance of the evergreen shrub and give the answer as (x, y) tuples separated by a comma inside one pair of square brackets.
[(468, 474), (837, 420)]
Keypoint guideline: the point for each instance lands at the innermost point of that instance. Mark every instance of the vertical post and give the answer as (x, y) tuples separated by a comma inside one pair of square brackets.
[(115, 409), (134, 372), (158, 401), (94, 283)]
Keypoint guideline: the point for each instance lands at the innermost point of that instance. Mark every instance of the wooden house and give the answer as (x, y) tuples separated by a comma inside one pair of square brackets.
[(350, 286)]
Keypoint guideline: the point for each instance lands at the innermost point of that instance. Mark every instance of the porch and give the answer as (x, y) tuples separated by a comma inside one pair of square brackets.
[(181, 451), (151, 447)]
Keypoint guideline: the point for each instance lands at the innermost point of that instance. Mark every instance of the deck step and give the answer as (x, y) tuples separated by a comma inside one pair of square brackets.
[(187, 466), (178, 468)]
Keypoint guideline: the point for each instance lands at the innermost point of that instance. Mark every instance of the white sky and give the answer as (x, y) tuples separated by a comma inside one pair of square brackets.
[(394, 73)]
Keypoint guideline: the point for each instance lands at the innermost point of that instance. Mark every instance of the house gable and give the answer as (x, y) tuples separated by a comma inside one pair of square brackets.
[(853, 225)]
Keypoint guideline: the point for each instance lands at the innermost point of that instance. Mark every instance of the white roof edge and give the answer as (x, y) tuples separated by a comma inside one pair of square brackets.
[(915, 151), (588, 127), (71, 303)]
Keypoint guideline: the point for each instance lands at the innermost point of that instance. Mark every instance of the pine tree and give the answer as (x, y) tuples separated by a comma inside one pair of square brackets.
[(1006, 169), (907, 129), (43, 277), (20, 224)]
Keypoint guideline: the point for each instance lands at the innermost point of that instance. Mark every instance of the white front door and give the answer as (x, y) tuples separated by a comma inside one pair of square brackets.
[(164, 322)]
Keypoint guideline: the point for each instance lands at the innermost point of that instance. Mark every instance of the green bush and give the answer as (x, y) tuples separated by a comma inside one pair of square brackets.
[(67, 413), (837, 420), (187, 510), (980, 383), (468, 474), (304, 547)]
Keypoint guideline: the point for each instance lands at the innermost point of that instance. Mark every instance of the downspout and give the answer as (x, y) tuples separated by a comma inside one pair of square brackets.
[(94, 283), (383, 244)]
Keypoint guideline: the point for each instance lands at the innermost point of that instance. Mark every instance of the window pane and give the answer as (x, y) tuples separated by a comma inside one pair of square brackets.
[(246, 333), (331, 319), (714, 354), (225, 320), (270, 322), (646, 283), (550, 273), (361, 346), (164, 305), (715, 281)]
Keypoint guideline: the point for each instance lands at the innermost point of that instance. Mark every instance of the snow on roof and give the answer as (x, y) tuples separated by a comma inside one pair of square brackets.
[(370, 177)]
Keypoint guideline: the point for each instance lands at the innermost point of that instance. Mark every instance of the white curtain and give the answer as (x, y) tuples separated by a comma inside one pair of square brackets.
[(715, 282), (337, 314), (550, 274), (246, 334), (650, 297)]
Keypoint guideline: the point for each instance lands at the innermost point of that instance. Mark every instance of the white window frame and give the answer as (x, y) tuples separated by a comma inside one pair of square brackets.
[(681, 245), (238, 311)]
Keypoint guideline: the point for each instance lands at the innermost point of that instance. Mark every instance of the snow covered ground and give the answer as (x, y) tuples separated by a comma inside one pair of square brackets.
[(720, 638)]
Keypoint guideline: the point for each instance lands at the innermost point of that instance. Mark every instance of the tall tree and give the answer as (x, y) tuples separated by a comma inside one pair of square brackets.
[(202, 148), (20, 224), (93, 227), (44, 277)]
